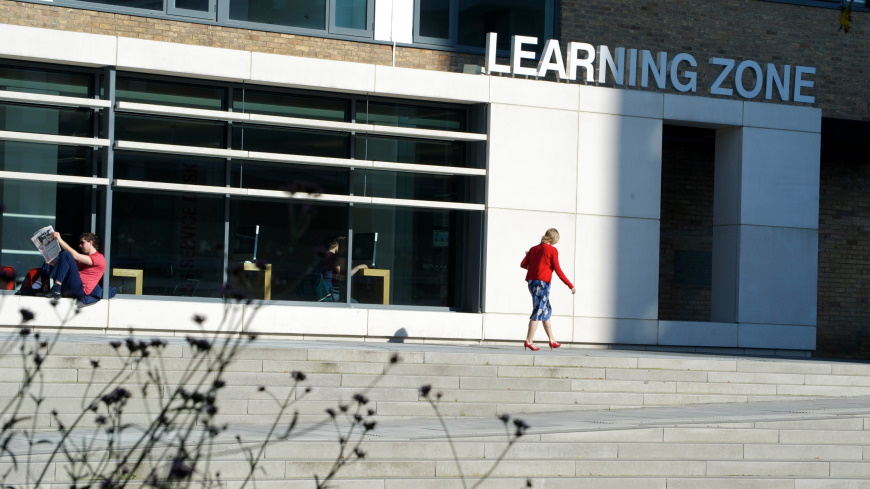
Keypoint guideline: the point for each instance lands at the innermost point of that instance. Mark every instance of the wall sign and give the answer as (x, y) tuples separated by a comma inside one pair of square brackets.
[(641, 68)]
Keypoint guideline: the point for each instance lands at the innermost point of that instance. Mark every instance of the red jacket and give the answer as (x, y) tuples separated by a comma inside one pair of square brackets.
[(541, 261)]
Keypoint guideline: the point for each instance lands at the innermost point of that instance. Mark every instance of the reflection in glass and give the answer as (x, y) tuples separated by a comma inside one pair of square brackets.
[(268, 139), (143, 4), (291, 105), (292, 237), (199, 5), (176, 240), (174, 94), (310, 14), (289, 178), (28, 206), (48, 82), (435, 18), (351, 14), (422, 249), (166, 130), (403, 150), (418, 186), (167, 168), (45, 120), (386, 114), (48, 159)]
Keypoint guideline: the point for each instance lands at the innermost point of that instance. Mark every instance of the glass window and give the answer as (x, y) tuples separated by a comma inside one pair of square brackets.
[(465, 23), (290, 178), (198, 5), (419, 151), (420, 250), (166, 168), (269, 139), (291, 238), (29, 206), (291, 105), (386, 114), (167, 93), (48, 82), (168, 130), (308, 14), (143, 4), (176, 240), (46, 120), (351, 14), (434, 18), (418, 186), (49, 159)]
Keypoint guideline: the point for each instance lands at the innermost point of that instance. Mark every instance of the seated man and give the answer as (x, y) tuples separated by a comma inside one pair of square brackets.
[(76, 274)]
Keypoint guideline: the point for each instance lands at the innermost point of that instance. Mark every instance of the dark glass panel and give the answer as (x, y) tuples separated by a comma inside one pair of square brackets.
[(174, 94), (351, 14), (46, 120), (420, 151), (290, 141), (167, 130), (384, 114), (513, 18), (435, 18), (291, 105), (176, 240), (28, 206), (309, 14), (421, 249), (418, 186), (291, 237), (154, 167), (143, 4), (198, 5), (48, 82), (49, 159), (290, 178)]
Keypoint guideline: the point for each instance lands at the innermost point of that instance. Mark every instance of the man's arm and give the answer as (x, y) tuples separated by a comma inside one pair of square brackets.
[(78, 257)]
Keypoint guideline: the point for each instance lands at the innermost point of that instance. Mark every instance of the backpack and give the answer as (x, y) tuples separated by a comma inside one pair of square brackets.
[(33, 275), (7, 278)]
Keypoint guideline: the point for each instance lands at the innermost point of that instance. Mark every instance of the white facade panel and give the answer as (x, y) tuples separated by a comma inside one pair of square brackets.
[(511, 327), (778, 275), (633, 103), (780, 178), (431, 85), (127, 314), (275, 69), (533, 93), (615, 331), (61, 46), (532, 159), (398, 324), (786, 117), (307, 320), (394, 21), (619, 166), (697, 333), (703, 111), (776, 336), (183, 59), (617, 267), (509, 235)]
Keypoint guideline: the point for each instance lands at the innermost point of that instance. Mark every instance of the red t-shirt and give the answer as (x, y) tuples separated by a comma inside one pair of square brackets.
[(91, 274), (541, 261)]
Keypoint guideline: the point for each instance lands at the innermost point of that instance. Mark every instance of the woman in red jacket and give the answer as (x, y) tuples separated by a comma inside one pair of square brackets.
[(540, 262)]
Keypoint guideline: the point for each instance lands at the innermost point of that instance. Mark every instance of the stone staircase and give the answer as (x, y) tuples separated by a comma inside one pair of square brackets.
[(599, 418)]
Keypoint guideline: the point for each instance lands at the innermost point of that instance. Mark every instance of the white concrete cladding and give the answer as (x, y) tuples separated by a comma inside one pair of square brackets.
[(583, 159)]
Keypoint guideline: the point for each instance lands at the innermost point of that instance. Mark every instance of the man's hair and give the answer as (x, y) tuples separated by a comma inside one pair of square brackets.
[(92, 238)]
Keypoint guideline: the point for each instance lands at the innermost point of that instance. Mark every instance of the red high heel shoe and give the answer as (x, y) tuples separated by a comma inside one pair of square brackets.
[(555, 344), (530, 346)]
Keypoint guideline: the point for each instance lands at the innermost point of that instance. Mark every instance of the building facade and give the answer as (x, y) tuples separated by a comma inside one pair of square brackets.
[(704, 164)]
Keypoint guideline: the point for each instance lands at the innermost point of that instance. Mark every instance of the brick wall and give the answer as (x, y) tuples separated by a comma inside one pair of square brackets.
[(686, 239), (844, 241), (765, 32)]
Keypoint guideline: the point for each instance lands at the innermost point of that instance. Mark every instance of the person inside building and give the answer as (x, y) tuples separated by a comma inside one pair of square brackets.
[(76, 273), (540, 262), (331, 270)]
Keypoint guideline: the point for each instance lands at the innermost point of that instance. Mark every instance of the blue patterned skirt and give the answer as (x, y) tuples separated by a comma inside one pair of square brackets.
[(541, 300)]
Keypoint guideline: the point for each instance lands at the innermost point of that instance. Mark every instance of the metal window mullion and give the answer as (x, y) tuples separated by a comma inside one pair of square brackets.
[(110, 80), (227, 174)]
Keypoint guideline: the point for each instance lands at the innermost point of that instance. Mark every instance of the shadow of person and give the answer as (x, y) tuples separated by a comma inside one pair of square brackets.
[(399, 336)]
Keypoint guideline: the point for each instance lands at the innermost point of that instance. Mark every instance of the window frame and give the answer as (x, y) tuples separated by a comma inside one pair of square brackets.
[(859, 5)]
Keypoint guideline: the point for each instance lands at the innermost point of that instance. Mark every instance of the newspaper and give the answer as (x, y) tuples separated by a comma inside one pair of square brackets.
[(46, 244)]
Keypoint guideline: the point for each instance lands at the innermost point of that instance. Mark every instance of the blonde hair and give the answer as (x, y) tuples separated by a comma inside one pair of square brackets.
[(551, 237)]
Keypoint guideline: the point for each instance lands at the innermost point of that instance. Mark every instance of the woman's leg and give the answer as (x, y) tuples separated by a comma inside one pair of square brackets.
[(533, 325), (548, 328)]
